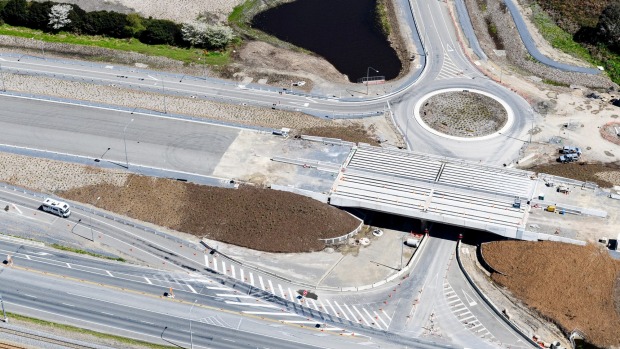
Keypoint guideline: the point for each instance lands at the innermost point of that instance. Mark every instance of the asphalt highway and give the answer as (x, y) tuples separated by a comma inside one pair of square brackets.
[(442, 65)]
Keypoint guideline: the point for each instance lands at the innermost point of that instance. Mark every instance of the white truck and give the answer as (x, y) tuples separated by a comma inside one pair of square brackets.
[(58, 208)]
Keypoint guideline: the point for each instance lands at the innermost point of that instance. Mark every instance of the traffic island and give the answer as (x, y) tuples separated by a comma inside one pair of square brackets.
[(463, 114)]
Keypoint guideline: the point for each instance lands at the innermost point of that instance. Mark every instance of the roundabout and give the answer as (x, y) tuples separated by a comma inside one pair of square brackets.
[(463, 114)]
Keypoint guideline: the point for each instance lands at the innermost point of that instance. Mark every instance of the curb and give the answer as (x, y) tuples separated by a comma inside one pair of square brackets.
[(489, 302)]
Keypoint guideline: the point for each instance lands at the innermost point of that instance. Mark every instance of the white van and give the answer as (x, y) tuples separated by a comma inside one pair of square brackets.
[(58, 208)]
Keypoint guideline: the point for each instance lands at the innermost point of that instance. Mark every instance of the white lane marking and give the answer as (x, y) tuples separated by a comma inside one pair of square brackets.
[(242, 276), (68, 265), (251, 279), (268, 313), (191, 288), (469, 299), (290, 294), (215, 264), (322, 306), (371, 318), (281, 291), (232, 269), (468, 318), (386, 315), (206, 261), (300, 322), (218, 288), (271, 286), (313, 303), (147, 280), (251, 304), (29, 295), (103, 312), (380, 319), (27, 256), (110, 274), (350, 312), (224, 268), (459, 309), (69, 305), (152, 77), (17, 208), (454, 301), (146, 322), (234, 295), (342, 312), (228, 340), (361, 317), (330, 305), (262, 284)]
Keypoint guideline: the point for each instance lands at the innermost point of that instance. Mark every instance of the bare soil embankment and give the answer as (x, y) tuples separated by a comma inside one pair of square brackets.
[(573, 286), (257, 218)]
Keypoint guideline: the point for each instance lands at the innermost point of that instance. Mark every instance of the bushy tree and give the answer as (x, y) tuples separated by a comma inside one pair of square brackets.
[(16, 13), (112, 24), (135, 24), (608, 28), (201, 34), (160, 31), (59, 16), (38, 14)]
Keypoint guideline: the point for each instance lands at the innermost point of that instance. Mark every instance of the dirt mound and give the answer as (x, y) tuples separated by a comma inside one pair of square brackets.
[(605, 175), (572, 285), (261, 219), (352, 133)]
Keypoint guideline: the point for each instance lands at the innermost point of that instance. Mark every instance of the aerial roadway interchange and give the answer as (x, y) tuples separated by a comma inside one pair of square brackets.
[(133, 303)]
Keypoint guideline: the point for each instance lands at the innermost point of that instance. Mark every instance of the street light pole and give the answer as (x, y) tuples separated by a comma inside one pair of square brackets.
[(125, 142), (191, 339), (92, 234), (368, 76), (163, 86), (6, 319), (2, 77)]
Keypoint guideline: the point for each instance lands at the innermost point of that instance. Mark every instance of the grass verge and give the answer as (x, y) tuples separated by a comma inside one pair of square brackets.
[(76, 250), (74, 329), (133, 45), (557, 37)]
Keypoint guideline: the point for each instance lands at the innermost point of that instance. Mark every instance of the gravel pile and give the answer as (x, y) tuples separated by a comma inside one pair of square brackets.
[(516, 54), (246, 115), (51, 176)]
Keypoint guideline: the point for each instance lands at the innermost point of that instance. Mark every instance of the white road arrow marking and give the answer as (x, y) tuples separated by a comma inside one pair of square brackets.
[(470, 300)]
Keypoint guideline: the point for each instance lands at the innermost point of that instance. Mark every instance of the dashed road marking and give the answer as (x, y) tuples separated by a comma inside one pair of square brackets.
[(191, 288), (260, 305), (251, 279), (262, 284), (110, 274), (342, 312)]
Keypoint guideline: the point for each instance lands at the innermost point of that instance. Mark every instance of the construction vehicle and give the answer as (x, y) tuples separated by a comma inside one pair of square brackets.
[(563, 189)]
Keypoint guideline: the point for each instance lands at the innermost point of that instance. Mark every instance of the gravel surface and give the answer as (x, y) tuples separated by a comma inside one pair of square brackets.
[(572, 285), (463, 114)]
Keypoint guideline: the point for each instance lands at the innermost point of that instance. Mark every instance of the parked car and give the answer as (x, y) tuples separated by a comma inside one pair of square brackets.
[(568, 158), (569, 149)]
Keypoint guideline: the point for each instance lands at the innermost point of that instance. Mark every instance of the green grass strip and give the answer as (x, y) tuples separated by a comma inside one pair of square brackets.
[(75, 250), (49, 324), (133, 45), (557, 37)]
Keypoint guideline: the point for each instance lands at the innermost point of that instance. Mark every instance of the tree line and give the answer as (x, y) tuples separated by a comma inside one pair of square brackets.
[(53, 17)]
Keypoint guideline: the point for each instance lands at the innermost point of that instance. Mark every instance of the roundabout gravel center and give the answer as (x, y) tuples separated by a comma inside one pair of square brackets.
[(463, 114)]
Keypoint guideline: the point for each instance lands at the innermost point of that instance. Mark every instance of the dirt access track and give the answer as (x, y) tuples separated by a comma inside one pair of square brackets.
[(256, 218), (574, 286)]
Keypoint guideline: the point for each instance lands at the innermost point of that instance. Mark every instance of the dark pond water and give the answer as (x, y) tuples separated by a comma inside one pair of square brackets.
[(342, 31)]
